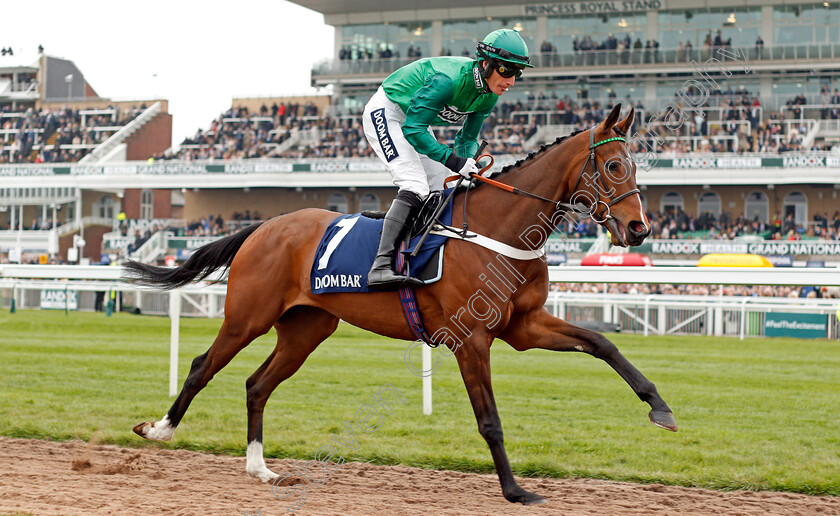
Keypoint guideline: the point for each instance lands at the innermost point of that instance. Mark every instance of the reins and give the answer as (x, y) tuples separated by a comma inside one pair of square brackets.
[(578, 208)]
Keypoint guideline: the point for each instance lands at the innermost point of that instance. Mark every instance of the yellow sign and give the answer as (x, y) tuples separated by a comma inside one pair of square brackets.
[(733, 260)]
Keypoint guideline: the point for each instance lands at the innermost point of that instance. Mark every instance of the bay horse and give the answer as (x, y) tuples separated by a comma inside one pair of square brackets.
[(269, 285)]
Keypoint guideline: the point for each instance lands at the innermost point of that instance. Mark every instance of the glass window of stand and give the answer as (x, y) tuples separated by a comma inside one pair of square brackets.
[(805, 24), (370, 41), (739, 25), (460, 37), (563, 30)]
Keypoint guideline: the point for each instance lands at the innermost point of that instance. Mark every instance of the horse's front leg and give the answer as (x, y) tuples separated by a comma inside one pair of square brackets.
[(539, 329), (474, 362)]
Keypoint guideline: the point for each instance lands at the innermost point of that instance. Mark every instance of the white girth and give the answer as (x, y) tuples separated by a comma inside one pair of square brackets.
[(489, 243)]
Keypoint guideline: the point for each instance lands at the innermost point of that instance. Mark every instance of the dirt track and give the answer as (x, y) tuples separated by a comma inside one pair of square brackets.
[(42, 477)]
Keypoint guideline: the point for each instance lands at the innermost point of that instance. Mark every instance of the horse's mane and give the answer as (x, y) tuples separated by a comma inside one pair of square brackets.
[(532, 155)]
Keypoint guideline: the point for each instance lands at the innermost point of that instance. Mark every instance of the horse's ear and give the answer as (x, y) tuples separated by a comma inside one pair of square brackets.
[(612, 118), (624, 125)]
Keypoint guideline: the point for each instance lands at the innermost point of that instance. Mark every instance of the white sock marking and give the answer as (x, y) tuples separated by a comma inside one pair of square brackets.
[(255, 463), (161, 430)]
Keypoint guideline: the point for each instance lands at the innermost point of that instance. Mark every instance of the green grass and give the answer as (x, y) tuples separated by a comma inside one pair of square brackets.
[(758, 414)]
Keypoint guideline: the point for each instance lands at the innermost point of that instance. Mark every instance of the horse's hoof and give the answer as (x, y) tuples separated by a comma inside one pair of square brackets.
[(155, 431), (663, 419), (142, 429), (526, 498), (263, 474)]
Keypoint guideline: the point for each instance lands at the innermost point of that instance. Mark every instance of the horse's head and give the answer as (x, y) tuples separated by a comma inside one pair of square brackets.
[(607, 182)]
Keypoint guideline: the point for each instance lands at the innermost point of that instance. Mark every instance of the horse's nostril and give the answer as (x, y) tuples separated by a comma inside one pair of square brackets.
[(637, 227)]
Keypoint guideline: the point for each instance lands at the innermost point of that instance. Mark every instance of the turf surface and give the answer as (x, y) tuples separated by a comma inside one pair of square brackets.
[(758, 414)]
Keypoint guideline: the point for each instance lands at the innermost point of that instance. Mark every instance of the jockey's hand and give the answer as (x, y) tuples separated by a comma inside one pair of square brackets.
[(468, 168), (463, 166)]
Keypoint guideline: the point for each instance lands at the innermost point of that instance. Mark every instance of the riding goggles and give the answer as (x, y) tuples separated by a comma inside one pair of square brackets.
[(484, 49), (507, 70)]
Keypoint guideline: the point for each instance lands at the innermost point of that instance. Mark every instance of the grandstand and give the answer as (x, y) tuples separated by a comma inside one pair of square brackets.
[(740, 103), (50, 115)]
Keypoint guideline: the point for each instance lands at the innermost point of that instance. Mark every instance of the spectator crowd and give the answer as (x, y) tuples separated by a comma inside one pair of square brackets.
[(728, 121), (678, 225), (57, 135), (733, 121), (698, 290)]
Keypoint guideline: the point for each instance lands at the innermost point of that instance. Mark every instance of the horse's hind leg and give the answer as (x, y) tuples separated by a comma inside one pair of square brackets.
[(243, 323), (539, 329), (299, 332), (474, 361)]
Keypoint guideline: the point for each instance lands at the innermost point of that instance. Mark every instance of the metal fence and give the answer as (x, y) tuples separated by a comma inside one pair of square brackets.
[(197, 300), (645, 314), (730, 316), (606, 58)]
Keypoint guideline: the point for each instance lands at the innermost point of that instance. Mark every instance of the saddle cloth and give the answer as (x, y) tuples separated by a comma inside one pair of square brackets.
[(349, 245)]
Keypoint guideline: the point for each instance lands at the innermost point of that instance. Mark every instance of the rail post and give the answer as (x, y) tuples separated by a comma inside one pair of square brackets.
[(744, 316), (427, 380), (661, 319), (175, 316)]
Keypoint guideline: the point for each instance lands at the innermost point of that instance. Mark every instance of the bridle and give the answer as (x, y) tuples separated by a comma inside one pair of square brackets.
[(599, 218), (604, 215)]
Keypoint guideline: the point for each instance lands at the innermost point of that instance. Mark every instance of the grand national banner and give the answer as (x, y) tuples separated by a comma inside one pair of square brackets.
[(764, 248), (285, 166)]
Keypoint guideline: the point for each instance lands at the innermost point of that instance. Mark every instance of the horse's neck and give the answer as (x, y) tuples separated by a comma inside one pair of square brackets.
[(511, 218)]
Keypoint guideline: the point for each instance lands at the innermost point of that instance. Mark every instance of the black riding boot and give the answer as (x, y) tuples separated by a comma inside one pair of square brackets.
[(382, 275)]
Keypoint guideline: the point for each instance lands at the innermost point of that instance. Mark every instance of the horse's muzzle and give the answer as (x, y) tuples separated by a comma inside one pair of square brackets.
[(637, 231), (632, 234)]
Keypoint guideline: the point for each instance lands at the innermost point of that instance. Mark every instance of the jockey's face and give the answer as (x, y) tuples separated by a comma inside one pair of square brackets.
[(498, 84)]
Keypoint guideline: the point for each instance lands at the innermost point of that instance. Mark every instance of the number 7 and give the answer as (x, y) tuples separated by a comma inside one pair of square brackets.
[(346, 225)]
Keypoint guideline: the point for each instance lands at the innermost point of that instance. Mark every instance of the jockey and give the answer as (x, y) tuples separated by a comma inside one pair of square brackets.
[(433, 91)]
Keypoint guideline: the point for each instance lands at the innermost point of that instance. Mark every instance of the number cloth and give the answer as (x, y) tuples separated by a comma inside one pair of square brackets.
[(348, 247)]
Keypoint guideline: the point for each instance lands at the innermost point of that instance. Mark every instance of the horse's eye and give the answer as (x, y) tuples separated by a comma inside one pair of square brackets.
[(612, 166)]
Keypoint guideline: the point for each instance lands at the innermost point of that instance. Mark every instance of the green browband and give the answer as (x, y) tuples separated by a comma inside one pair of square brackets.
[(608, 140)]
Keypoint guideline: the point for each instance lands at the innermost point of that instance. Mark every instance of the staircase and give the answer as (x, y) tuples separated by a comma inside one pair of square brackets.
[(111, 146), (830, 130), (601, 245), (288, 143), (547, 134), (811, 135), (154, 248), (76, 225)]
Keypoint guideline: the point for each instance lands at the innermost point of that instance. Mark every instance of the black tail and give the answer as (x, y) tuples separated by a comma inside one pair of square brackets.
[(201, 264)]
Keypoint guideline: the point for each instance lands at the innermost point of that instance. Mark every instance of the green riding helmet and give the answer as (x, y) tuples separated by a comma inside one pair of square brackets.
[(504, 45)]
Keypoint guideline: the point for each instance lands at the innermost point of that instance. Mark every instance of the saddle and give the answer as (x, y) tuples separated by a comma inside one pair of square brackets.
[(420, 221), (349, 245)]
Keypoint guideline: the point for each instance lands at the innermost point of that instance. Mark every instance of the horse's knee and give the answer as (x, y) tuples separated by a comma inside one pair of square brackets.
[(251, 382), (255, 397), (603, 347), (198, 362), (491, 431), (195, 379)]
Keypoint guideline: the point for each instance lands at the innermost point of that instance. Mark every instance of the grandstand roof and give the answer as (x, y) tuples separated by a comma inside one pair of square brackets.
[(19, 63), (370, 6)]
